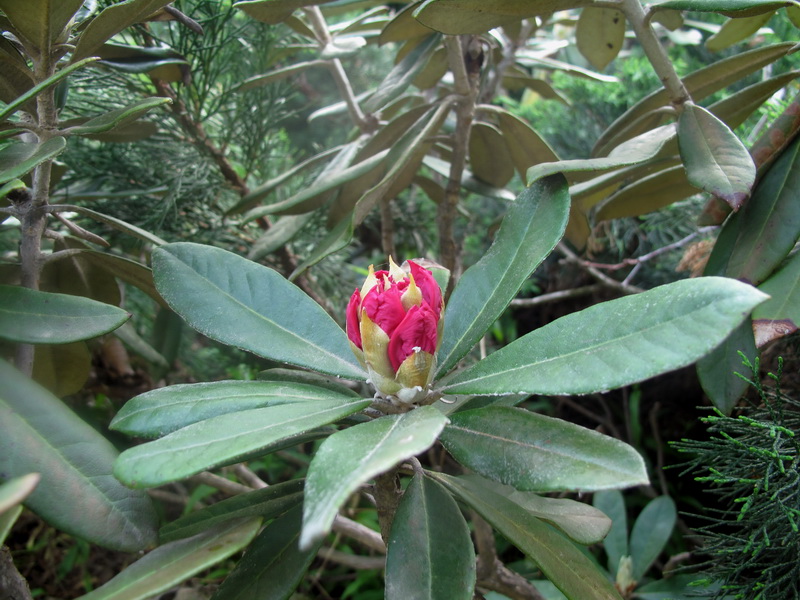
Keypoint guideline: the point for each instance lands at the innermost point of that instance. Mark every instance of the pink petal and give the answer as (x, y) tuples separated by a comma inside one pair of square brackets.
[(352, 319), (417, 330), (384, 307), (428, 286)]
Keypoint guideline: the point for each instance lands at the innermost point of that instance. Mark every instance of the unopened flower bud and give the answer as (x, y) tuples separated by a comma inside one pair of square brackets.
[(394, 324)]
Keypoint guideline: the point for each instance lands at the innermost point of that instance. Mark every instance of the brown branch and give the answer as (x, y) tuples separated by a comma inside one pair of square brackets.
[(598, 275), (387, 497), (353, 560), (12, 584), (555, 296)]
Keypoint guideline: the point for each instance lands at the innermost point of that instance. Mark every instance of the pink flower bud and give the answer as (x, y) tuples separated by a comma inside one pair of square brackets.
[(394, 324)]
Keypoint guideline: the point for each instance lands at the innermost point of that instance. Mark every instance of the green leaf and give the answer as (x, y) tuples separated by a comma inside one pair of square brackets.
[(115, 223), (20, 158), (34, 317), (489, 155), (715, 159), (780, 315), (621, 342), (532, 452), (402, 74), (243, 304), (117, 118), (16, 489), (329, 180), (600, 34), (454, 17), (651, 532), (616, 542), (700, 84), (756, 239), (110, 21), (677, 587), (273, 565), (736, 30), (77, 492), (41, 22), (430, 553), (280, 233), (731, 8), (717, 371), (173, 563), (224, 439), (526, 146), (529, 232), (273, 11), (580, 522), (164, 410), (647, 194), (267, 503), (279, 74), (353, 456), (62, 368), (572, 572), (157, 61), (336, 239), (640, 149)]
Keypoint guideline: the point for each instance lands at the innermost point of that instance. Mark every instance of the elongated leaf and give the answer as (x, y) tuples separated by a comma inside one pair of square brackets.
[(403, 73), (621, 342), (353, 456), (580, 522), (755, 240), (267, 503), (651, 532), (429, 539), (648, 194), (717, 372), (256, 195), (77, 492), (16, 489), (640, 149), (530, 230), (62, 368), (115, 223), (489, 155), (117, 118), (455, 17), (732, 8), (336, 239), (223, 439), (715, 159), (532, 452), (127, 270), (700, 84), (164, 410), (41, 22), (273, 565), (173, 563), (241, 303), (280, 233), (273, 11), (780, 315), (299, 202), (562, 562), (736, 30), (616, 542), (279, 74), (20, 158), (110, 21), (600, 34), (35, 317), (526, 146)]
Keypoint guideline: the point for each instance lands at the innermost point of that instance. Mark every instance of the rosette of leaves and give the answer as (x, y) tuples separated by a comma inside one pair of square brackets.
[(207, 425)]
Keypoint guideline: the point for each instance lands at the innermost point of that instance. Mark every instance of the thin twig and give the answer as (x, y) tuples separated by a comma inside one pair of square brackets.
[(598, 275), (220, 483), (662, 480), (353, 560), (361, 533), (555, 296), (247, 475)]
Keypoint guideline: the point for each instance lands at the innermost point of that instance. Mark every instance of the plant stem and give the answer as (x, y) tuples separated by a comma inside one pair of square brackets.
[(466, 86), (640, 22), (365, 123), (387, 498)]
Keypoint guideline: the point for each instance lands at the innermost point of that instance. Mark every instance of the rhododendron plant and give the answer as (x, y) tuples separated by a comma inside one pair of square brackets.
[(394, 324)]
